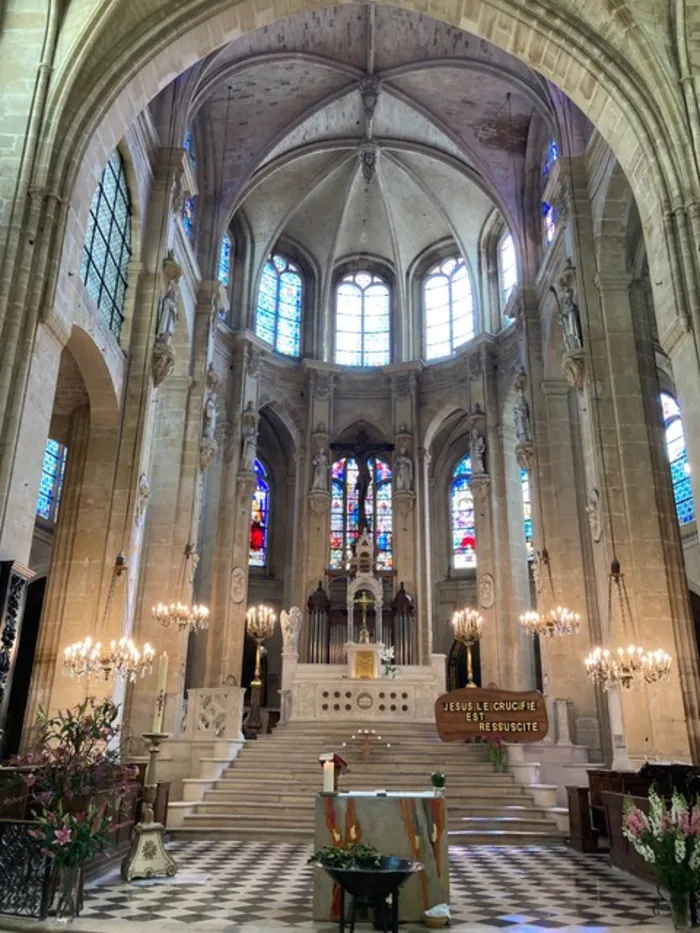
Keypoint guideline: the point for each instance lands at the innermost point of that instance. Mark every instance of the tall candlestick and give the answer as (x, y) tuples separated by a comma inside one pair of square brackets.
[(160, 692), (328, 777)]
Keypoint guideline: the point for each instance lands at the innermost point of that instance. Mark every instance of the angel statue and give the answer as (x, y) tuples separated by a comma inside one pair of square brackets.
[(291, 626)]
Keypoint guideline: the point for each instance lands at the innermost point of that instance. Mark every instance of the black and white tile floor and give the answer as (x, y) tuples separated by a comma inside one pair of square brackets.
[(233, 886)]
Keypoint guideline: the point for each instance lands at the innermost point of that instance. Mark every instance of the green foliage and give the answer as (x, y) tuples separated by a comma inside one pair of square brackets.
[(347, 857), (73, 838), (438, 779)]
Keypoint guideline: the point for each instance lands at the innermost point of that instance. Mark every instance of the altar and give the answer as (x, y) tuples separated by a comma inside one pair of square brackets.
[(412, 826)]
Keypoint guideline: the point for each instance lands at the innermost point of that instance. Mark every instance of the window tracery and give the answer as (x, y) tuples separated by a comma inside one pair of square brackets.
[(279, 305), (107, 246), (362, 320), (448, 308)]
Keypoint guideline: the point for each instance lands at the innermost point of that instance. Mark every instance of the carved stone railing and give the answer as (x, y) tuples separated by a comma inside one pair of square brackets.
[(214, 713)]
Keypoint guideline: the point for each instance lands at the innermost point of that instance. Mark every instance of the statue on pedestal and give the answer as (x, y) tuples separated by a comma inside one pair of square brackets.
[(403, 466), (291, 626), (319, 480), (477, 451)]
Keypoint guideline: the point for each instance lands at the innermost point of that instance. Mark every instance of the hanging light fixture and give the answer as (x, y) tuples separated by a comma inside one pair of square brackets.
[(631, 666), (467, 625), (556, 622), (119, 658), (185, 616)]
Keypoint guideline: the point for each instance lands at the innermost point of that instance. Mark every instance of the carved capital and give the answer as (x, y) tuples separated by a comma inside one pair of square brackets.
[(525, 455), (255, 360), (403, 384), (573, 365), (480, 486), (162, 361), (322, 385), (319, 501), (404, 502), (207, 451), (247, 484)]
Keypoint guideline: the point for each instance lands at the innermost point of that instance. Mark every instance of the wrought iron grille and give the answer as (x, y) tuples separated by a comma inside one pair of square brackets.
[(24, 872)]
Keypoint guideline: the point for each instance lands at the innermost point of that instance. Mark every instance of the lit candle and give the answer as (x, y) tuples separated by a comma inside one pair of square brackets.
[(160, 692), (328, 777)]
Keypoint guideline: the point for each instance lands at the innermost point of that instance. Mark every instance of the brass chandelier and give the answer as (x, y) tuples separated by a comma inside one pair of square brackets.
[(88, 658), (556, 622), (185, 616)]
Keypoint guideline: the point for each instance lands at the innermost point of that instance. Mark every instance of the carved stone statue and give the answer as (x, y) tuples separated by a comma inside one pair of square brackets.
[(403, 466), (168, 312), (143, 494), (319, 480), (291, 626), (521, 413), (250, 433), (209, 424), (568, 309), (477, 451)]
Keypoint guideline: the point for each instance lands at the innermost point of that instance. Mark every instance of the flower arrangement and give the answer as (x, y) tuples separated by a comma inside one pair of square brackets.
[(345, 858), (498, 755), (669, 839), (73, 838), (386, 657)]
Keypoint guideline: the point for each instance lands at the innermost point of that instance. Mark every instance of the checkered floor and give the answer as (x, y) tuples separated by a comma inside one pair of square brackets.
[(269, 885)]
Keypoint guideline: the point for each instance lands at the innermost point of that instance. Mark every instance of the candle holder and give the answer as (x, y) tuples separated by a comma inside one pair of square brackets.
[(467, 625), (260, 624), (366, 738), (147, 857)]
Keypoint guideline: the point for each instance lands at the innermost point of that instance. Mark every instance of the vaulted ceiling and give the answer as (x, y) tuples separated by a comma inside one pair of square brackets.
[(366, 130)]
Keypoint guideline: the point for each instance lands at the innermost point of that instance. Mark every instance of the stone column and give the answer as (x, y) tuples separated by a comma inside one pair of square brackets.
[(424, 581), (405, 518)]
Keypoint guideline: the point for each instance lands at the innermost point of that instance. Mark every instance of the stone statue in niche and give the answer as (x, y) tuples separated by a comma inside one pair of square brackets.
[(521, 413), (209, 425), (168, 312), (319, 480), (291, 626), (478, 451), (403, 466), (250, 432)]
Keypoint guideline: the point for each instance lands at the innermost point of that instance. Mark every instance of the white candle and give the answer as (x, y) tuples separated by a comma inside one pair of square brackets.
[(160, 692), (328, 777)]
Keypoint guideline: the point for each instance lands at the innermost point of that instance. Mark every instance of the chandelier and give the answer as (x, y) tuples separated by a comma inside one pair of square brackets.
[(631, 666), (86, 658), (557, 622), (186, 617), (467, 625)]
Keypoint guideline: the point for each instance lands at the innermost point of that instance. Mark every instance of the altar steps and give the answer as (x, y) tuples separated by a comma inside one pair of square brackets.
[(268, 792)]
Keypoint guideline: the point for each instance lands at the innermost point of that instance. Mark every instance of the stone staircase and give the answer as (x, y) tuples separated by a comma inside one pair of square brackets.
[(268, 792)]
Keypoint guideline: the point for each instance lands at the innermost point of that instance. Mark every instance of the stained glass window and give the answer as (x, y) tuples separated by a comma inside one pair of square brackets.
[(362, 320), (189, 207), (223, 271), (678, 457), (507, 267), (189, 147), (462, 516), (549, 222), (448, 305), (550, 157), (278, 310), (345, 512), (527, 513), (259, 518), (107, 247), (51, 480)]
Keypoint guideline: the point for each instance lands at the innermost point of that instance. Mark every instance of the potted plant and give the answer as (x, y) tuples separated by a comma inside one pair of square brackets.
[(70, 840), (669, 839), (357, 856), (498, 755), (438, 780)]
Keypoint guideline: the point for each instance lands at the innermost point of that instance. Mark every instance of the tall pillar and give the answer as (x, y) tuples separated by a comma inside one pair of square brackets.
[(405, 517)]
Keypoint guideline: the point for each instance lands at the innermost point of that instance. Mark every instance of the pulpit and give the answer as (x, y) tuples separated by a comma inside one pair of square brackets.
[(364, 661)]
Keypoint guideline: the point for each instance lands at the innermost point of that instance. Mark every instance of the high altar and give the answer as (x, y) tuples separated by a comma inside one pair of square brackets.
[(355, 686)]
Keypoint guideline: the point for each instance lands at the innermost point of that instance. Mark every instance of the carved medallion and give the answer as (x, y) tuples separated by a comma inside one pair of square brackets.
[(238, 585)]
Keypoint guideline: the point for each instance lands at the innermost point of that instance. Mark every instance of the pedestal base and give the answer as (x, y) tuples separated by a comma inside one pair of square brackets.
[(147, 857)]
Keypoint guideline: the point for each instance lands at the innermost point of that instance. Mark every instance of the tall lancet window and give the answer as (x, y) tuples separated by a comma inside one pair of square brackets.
[(345, 511), (462, 516), (278, 308), (362, 320), (527, 513), (678, 457), (259, 518), (448, 306), (51, 480)]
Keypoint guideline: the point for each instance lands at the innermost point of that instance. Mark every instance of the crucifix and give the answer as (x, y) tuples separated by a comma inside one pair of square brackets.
[(363, 601), (361, 449)]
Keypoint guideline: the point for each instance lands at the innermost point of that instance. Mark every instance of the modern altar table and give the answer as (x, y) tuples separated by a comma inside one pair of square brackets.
[(412, 826)]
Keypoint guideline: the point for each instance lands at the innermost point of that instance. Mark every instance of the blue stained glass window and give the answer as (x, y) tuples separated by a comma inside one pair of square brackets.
[(678, 457), (362, 320), (462, 516), (189, 147), (259, 518), (279, 305), (550, 157), (107, 246), (549, 222), (188, 211), (448, 306), (345, 512), (51, 480), (527, 513), (223, 272)]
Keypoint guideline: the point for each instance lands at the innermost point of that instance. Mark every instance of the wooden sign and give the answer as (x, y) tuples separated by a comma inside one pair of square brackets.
[(509, 715)]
